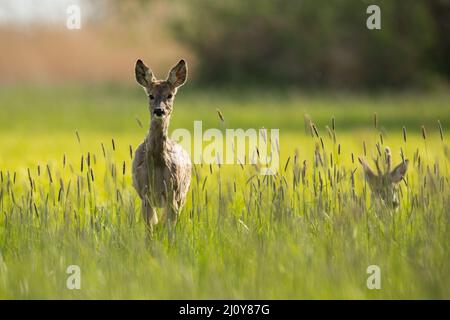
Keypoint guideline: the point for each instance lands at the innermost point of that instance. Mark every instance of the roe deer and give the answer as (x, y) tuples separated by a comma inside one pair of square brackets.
[(161, 167), (384, 184)]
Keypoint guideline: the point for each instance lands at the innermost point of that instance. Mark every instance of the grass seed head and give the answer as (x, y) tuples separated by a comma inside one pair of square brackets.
[(424, 133)]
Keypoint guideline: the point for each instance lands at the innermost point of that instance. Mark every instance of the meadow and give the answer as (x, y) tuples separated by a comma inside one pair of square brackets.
[(308, 232)]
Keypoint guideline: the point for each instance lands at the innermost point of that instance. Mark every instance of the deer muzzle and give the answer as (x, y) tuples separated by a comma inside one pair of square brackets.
[(159, 112)]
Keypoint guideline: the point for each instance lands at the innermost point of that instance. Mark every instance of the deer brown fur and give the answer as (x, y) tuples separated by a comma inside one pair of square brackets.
[(161, 167), (384, 183)]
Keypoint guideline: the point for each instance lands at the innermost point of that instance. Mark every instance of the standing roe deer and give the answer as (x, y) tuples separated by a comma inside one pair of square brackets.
[(384, 184), (161, 167)]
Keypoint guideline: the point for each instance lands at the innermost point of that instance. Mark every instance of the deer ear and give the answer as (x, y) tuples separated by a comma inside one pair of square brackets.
[(178, 74), (399, 172), (370, 175), (144, 75)]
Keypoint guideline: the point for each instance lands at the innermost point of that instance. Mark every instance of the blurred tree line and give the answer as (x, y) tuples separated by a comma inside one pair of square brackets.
[(317, 42)]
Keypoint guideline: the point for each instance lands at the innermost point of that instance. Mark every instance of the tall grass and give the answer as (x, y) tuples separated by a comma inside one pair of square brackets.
[(310, 231)]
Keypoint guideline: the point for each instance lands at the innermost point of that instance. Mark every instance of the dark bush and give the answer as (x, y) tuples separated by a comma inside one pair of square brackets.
[(313, 42)]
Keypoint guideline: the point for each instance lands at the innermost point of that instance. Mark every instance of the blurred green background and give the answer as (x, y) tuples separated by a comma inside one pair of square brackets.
[(302, 44), (275, 64), (318, 43), (263, 63)]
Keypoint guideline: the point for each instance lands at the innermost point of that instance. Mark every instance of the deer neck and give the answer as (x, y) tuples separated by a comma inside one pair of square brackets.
[(157, 141)]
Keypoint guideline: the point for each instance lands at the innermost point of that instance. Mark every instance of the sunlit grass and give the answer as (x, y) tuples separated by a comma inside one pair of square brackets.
[(307, 232)]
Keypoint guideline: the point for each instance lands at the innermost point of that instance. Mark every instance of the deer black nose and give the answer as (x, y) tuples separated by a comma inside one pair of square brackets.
[(159, 112)]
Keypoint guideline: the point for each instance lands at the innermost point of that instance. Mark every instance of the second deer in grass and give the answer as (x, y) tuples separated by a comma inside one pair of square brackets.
[(161, 167), (384, 184)]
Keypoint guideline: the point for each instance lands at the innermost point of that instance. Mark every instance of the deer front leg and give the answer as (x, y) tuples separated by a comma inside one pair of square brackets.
[(149, 215), (172, 215)]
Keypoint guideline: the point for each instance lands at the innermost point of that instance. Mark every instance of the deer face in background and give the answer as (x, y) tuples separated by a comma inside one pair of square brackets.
[(384, 183), (161, 93)]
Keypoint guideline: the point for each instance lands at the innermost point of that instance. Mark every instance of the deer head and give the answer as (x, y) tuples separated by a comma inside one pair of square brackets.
[(161, 93), (384, 183)]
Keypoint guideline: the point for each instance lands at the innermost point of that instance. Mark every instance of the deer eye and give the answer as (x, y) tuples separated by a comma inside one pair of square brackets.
[(169, 96), (151, 97)]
